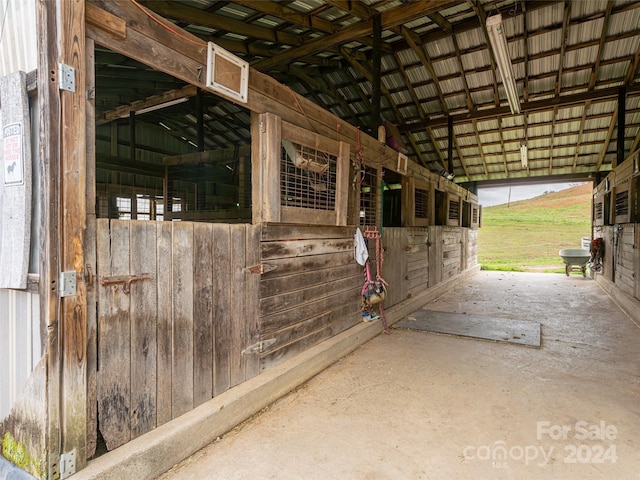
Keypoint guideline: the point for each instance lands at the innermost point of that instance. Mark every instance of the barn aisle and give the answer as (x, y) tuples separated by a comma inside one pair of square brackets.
[(427, 406)]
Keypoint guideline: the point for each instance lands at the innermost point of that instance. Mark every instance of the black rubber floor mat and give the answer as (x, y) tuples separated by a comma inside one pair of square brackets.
[(474, 326)]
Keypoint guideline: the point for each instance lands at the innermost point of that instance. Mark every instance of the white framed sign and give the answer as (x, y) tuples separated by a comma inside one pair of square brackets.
[(227, 73), (12, 155)]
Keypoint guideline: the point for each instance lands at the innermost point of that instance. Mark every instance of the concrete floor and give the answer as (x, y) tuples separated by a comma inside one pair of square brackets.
[(416, 405)]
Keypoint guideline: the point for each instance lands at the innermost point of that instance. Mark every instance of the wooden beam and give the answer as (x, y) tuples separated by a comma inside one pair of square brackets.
[(357, 9), (412, 39), (90, 256), (527, 107), (389, 18), (482, 15), (107, 22), (605, 145), (73, 309), (48, 159), (563, 46), (290, 15), (191, 15), (479, 146), (185, 59), (369, 76), (376, 78), (603, 36), (329, 90), (153, 101)]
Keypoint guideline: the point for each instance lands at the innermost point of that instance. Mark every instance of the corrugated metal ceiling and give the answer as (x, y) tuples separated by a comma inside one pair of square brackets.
[(439, 65)]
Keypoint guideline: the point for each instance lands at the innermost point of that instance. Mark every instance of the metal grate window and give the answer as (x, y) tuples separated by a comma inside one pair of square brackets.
[(307, 177), (454, 210), (421, 203), (368, 196), (474, 215), (622, 203), (124, 208), (143, 207), (597, 210)]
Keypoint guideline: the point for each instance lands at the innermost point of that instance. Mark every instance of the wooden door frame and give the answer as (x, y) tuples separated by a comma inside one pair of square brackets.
[(61, 37)]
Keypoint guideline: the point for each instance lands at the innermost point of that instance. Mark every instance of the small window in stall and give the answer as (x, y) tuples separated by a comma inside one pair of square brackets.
[(441, 208), (466, 214), (392, 199), (635, 201), (368, 212), (621, 208)]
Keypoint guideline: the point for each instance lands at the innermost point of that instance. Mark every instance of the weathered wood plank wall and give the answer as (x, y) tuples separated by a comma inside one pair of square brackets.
[(624, 255), (417, 258), (177, 339), (314, 292), (395, 266), (472, 247), (417, 279), (451, 251), (636, 263)]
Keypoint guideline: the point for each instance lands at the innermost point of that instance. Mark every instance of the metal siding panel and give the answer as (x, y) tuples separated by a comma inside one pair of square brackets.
[(18, 46), (20, 343)]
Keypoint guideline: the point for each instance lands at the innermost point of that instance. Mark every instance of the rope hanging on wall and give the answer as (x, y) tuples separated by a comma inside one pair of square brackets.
[(375, 291)]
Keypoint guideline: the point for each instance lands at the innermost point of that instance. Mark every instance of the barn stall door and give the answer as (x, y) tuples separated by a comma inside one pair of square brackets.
[(177, 319)]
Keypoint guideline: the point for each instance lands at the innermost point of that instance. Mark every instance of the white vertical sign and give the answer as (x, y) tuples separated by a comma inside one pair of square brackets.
[(13, 159)]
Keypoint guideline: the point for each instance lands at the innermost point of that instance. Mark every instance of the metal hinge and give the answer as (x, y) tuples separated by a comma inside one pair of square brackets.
[(260, 269), (67, 464), (67, 284), (66, 77), (258, 347)]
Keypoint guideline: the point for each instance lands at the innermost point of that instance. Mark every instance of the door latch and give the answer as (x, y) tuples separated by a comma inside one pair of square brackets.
[(125, 280)]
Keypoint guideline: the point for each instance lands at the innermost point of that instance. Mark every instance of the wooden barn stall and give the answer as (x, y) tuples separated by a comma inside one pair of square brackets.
[(616, 213), (179, 283)]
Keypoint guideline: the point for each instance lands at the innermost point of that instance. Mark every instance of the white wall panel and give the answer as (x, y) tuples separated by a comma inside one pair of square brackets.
[(18, 46), (20, 343)]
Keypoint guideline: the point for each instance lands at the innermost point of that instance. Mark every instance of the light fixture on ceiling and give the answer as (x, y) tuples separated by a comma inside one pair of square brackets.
[(158, 106), (523, 155), (498, 41)]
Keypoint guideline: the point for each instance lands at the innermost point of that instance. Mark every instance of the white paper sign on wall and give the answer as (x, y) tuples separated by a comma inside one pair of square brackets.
[(227, 74)]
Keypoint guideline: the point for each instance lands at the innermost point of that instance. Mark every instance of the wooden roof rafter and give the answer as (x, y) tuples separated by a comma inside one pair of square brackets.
[(482, 15), (595, 70), (369, 76), (418, 106), (480, 149), (525, 40), (583, 120), (602, 95), (607, 141), (330, 91), (551, 142), (413, 39), (149, 102), (563, 45), (502, 149), (191, 15), (389, 19), (463, 164)]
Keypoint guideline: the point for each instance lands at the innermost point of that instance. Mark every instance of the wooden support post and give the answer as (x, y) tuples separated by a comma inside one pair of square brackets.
[(376, 61), (49, 107), (450, 144), (622, 112), (73, 309), (90, 257), (200, 119)]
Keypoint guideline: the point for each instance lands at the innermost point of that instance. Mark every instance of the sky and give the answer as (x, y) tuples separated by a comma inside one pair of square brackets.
[(499, 195)]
